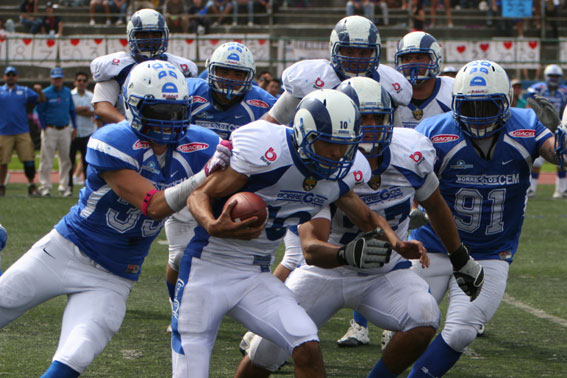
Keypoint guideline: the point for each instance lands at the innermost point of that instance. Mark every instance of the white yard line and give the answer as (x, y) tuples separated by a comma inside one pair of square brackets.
[(534, 311)]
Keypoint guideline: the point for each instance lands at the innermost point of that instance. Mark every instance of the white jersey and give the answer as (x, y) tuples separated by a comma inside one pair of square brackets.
[(439, 102), (405, 172), (305, 76), (265, 153), (117, 66)]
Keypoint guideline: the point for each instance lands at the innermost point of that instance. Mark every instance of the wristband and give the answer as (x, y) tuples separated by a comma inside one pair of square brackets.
[(459, 257), (146, 201)]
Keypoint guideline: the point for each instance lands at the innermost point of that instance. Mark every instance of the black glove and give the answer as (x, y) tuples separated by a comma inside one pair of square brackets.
[(468, 273), (365, 251), (545, 112)]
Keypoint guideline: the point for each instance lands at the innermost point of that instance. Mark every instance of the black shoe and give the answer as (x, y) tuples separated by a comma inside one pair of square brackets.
[(2, 190), (32, 190)]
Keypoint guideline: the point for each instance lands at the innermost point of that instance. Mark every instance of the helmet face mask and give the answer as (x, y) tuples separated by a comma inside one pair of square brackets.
[(417, 70), (355, 47), (376, 113), (236, 57), (481, 99), (157, 102), (326, 132), (148, 34)]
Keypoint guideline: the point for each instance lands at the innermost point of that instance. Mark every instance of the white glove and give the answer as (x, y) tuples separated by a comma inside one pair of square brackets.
[(221, 157), (468, 273), (545, 111), (365, 251), (417, 218)]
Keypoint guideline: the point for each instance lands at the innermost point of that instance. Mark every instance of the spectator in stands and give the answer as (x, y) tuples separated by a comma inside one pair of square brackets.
[(517, 100), (14, 128), (241, 7), (296, 4), (221, 8), (361, 8), (28, 9), (7, 26), (274, 88), (263, 79), (96, 5), (434, 5), (449, 71), (175, 14), (418, 15), (262, 7), (51, 24), (199, 19), (119, 7), (551, 14), (85, 123), (55, 115)]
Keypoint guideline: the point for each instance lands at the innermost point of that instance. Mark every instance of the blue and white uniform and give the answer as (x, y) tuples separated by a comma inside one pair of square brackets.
[(238, 271), (487, 198), (254, 104), (306, 76), (95, 252), (557, 97), (439, 102), (392, 297)]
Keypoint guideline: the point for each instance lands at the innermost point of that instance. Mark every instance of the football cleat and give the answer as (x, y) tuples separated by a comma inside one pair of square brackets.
[(356, 335), (244, 346), (481, 331)]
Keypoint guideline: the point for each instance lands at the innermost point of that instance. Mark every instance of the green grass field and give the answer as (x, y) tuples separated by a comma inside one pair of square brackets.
[(519, 342)]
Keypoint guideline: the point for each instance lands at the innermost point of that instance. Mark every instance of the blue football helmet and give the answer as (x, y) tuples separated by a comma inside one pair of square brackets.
[(147, 21), (372, 99), (157, 102), (419, 43), (356, 32), (235, 56), (330, 116), (481, 98), (553, 76)]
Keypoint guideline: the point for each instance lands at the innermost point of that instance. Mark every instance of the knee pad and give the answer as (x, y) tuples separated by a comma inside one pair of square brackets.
[(459, 336), (29, 169), (423, 311), (175, 257), (267, 355)]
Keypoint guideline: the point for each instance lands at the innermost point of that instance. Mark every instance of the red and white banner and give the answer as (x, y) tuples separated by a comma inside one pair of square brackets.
[(80, 51)]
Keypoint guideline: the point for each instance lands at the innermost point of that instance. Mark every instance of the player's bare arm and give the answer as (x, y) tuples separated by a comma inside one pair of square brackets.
[(107, 112), (368, 220), (547, 151), (221, 184), (316, 250), (441, 220)]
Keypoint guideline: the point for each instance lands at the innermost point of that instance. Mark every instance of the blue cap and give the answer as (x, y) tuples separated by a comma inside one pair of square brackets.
[(10, 69), (56, 73)]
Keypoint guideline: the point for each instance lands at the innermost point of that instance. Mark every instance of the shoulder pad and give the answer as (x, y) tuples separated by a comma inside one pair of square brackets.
[(186, 66), (396, 84), (107, 67), (412, 150), (306, 76)]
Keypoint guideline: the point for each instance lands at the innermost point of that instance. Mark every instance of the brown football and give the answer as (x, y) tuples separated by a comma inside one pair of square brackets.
[(248, 205)]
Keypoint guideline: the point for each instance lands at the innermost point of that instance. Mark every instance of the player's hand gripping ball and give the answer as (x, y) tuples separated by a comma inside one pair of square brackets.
[(248, 205)]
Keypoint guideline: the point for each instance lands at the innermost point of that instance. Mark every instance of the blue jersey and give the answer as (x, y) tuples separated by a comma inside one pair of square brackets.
[(58, 108), (106, 228), (255, 103), (487, 197), (558, 97), (15, 119)]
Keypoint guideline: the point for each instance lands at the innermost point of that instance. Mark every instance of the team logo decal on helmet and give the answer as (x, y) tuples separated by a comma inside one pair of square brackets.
[(329, 116), (148, 34), (235, 56), (157, 102), (481, 98), (358, 33), (419, 43)]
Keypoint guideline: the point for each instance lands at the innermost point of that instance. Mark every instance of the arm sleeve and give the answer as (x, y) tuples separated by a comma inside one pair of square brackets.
[(284, 109), (108, 91), (31, 96)]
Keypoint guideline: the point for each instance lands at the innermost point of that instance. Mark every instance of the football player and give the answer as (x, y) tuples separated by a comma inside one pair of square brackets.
[(139, 172), (556, 93), (222, 103), (419, 59), (389, 293), (297, 171), (485, 150), (148, 37)]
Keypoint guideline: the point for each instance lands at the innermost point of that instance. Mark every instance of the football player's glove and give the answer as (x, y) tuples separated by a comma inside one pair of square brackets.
[(468, 273), (366, 251), (417, 218), (545, 112), (561, 144), (221, 157)]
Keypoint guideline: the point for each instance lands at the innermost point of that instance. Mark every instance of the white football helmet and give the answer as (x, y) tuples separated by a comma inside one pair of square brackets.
[(157, 102), (373, 99), (144, 47), (481, 98), (329, 116), (235, 56), (553, 75), (419, 43), (358, 32)]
